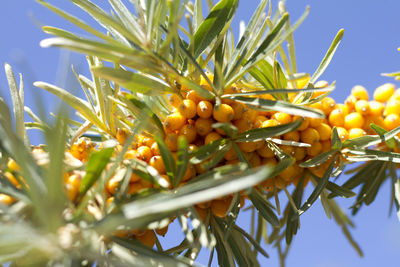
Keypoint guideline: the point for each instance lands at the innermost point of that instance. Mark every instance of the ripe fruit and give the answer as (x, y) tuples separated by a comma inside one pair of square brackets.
[(174, 121), (203, 126), (187, 108), (309, 136), (224, 113), (384, 92), (359, 92), (204, 109), (353, 120)]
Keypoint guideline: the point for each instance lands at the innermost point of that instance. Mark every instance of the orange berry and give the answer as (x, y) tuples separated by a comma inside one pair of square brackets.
[(289, 173), (162, 231), (292, 136), (6, 199), (154, 149), (265, 152), (391, 121), (353, 120), (238, 110), (282, 118), (211, 137), (204, 109), (201, 212), (269, 123), (171, 141), (392, 107), (187, 108), (144, 153), (189, 132), (148, 238), (219, 207), (247, 146), (259, 120), (157, 163), (384, 92), (10, 177), (134, 188), (242, 125), (336, 118), (190, 173), (362, 107), (326, 146), (255, 161), (174, 121), (224, 113), (342, 133), (195, 97), (356, 132), (305, 122), (299, 153), (350, 102), (121, 135), (134, 178), (376, 108), (324, 131), (230, 154), (309, 136), (250, 114), (328, 104), (343, 108), (315, 149), (360, 92), (314, 122), (111, 185), (203, 126), (12, 165), (287, 149), (175, 100)]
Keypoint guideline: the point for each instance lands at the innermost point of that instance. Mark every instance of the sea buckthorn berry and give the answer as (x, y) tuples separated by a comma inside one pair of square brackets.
[(134, 188), (224, 113), (189, 132), (392, 107), (195, 97), (242, 125), (238, 110), (175, 100), (144, 153), (292, 136), (328, 104), (314, 150), (304, 124), (309, 136), (121, 135), (336, 118), (148, 238), (230, 154), (146, 141), (219, 207), (157, 163), (192, 148), (190, 173), (376, 108), (259, 120), (384, 92), (326, 146), (316, 105), (314, 122), (255, 161), (10, 177), (353, 120), (203, 126), (201, 212), (282, 118), (250, 114), (288, 174), (6, 199), (324, 131), (302, 82), (171, 141), (265, 152), (299, 153), (187, 108), (134, 178), (12, 165), (111, 185), (288, 149), (162, 231), (211, 137), (342, 133), (154, 149), (321, 84), (232, 162), (343, 108), (391, 121), (280, 183), (356, 132), (174, 121), (350, 102), (204, 83), (362, 107), (360, 92), (204, 109), (146, 183), (247, 146), (269, 123), (130, 154), (268, 184)]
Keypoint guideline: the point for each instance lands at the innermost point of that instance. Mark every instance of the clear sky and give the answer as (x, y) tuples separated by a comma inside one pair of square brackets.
[(369, 47)]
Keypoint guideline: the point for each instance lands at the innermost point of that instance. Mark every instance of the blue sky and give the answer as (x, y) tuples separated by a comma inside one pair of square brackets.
[(369, 47)]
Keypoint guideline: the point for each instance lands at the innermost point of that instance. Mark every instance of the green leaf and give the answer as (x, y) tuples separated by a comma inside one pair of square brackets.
[(228, 128), (335, 140), (204, 152), (76, 103), (135, 82), (251, 239), (211, 27), (338, 190), (391, 143), (292, 224), (370, 154), (318, 160), (328, 57), (261, 204), (97, 162), (263, 133), (168, 159), (396, 190), (282, 106), (183, 160), (318, 188), (217, 156)]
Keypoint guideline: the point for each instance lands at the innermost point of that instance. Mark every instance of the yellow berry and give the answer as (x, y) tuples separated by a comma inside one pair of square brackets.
[(187, 108), (392, 107), (376, 108), (175, 100), (255, 161), (391, 121), (304, 124), (203, 126), (336, 118), (157, 163), (247, 146), (282, 118), (324, 131), (326, 146), (309, 136), (384, 92), (356, 132), (289, 173), (328, 104), (12, 179), (265, 152), (230, 154), (292, 136), (219, 207), (144, 153), (299, 153), (269, 123), (224, 113), (195, 97), (204, 109), (362, 107), (242, 125), (314, 122), (250, 114), (315, 149), (174, 121), (148, 238), (360, 92), (342, 133), (171, 141), (259, 120), (121, 135), (211, 137), (189, 132), (353, 120), (350, 102), (6, 199), (238, 110)]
